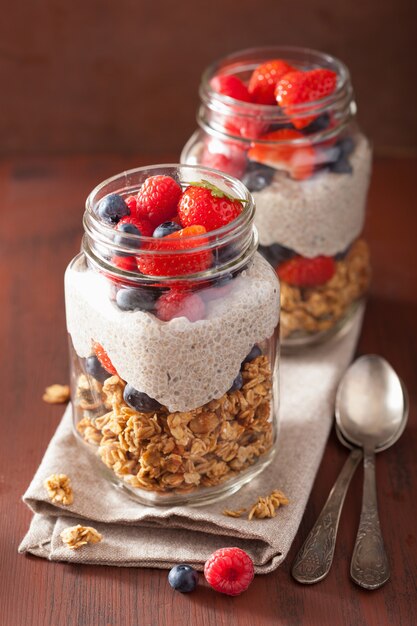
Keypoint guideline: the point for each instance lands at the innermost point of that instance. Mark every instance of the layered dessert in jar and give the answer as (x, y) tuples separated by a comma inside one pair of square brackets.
[(173, 324), (283, 121)]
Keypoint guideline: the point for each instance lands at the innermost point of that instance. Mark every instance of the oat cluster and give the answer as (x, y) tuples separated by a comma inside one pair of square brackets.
[(59, 489), (320, 308), (56, 394), (264, 507), (77, 536), (179, 452)]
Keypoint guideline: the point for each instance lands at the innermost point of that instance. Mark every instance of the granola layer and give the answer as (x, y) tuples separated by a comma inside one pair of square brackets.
[(181, 451), (320, 308)]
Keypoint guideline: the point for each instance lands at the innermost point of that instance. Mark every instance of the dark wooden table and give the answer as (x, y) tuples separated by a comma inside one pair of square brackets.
[(41, 208)]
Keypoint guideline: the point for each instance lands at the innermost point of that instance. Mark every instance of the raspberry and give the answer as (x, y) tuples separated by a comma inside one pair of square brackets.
[(282, 154), (177, 303), (104, 359), (131, 203), (232, 86), (234, 164), (264, 78), (178, 263), (143, 225), (157, 199), (303, 87), (229, 570), (303, 272), (207, 205)]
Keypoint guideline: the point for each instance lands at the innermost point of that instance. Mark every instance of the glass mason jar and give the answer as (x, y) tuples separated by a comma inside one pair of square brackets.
[(310, 186), (184, 410)]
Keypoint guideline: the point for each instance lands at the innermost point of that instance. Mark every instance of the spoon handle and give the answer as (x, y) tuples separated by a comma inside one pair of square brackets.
[(369, 567), (315, 557)]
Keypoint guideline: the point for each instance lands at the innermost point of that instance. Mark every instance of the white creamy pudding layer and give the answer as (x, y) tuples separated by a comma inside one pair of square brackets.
[(320, 215), (181, 364)]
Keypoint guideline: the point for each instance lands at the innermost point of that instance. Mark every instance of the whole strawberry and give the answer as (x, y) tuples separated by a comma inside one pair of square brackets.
[(157, 199), (303, 272), (175, 258), (229, 570), (302, 87), (264, 79), (205, 204)]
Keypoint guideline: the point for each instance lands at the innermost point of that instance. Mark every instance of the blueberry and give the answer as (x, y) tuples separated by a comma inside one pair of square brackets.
[(183, 578), (318, 125), (130, 299), (341, 166), (140, 401), (276, 254), (225, 254), (95, 369), (346, 145), (112, 208), (253, 354), (166, 228), (223, 280), (237, 383), (341, 255), (131, 229), (258, 176)]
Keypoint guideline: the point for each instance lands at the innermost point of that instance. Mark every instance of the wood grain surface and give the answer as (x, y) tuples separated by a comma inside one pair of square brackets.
[(111, 76), (41, 208)]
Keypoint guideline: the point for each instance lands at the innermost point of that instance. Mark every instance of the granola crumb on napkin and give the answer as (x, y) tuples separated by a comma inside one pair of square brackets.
[(76, 536), (59, 489)]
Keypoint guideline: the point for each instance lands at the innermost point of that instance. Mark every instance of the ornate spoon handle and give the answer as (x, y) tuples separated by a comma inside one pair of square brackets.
[(369, 567), (315, 557)]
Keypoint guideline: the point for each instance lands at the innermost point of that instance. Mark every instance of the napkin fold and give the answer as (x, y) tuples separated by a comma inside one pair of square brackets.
[(142, 536)]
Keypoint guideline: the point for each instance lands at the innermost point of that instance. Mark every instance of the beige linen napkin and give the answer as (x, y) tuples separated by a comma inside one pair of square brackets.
[(141, 536)]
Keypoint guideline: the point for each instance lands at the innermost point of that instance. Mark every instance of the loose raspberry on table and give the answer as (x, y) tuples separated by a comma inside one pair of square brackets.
[(229, 570)]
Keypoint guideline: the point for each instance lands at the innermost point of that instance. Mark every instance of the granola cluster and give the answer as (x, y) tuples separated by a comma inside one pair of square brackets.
[(76, 536), (56, 394), (320, 308), (264, 507), (165, 452), (59, 489)]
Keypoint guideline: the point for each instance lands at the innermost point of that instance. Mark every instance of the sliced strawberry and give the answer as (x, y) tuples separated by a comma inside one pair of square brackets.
[(180, 262), (303, 272), (282, 154), (104, 359), (301, 88), (264, 78)]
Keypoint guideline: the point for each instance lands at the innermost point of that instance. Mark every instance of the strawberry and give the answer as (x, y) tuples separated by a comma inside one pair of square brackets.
[(303, 272), (232, 86), (104, 359), (157, 199), (205, 204), (179, 262), (143, 225), (301, 88), (234, 164), (127, 263), (178, 303), (282, 154), (264, 78)]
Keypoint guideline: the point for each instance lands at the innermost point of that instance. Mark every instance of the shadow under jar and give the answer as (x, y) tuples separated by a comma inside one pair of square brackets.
[(308, 167), (182, 409)]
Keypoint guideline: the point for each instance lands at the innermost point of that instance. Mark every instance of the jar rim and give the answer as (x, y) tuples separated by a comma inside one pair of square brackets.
[(99, 234), (247, 60)]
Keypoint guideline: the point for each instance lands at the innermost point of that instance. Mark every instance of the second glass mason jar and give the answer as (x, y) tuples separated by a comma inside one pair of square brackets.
[(174, 408), (308, 167)]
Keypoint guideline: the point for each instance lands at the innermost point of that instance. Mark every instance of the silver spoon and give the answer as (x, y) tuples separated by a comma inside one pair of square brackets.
[(371, 410), (315, 557)]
